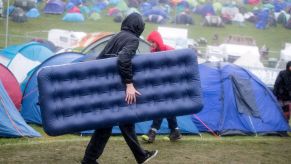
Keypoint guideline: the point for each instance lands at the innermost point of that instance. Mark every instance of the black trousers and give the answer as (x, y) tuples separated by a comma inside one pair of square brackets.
[(101, 136), (172, 123), (287, 111)]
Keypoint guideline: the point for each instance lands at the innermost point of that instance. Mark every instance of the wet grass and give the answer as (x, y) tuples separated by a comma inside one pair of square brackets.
[(191, 149)]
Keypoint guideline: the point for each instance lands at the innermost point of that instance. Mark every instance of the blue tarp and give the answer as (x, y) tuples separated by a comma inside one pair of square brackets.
[(237, 102), (12, 124), (30, 110)]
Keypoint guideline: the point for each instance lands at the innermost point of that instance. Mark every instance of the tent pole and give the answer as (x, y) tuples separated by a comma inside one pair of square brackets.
[(7, 23)]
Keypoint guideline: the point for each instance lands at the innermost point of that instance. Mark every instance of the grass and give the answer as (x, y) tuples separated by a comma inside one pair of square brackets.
[(274, 37), (191, 149)]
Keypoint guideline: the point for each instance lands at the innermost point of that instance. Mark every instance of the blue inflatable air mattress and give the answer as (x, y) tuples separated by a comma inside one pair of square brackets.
[(90, 95)]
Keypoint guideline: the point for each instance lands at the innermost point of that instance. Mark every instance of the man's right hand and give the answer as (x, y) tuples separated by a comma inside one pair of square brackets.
[(131, 93)]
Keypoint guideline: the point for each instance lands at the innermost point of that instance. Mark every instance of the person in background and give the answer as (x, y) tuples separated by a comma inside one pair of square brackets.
[(282, 90), (158, 45), (123, 45), (1, 8)]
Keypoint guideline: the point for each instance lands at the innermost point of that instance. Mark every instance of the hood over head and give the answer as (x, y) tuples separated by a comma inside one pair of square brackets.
[(134, 24), (156, 37)]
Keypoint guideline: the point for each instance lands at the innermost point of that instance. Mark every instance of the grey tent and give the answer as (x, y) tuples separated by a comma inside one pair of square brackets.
[(94, 49), (18, 15), (25, 4), (214, 21), (118, 18), (154, 18), (184, 18)]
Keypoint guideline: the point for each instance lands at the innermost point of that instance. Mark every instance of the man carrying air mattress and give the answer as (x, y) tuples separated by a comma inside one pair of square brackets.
[(124, 46)]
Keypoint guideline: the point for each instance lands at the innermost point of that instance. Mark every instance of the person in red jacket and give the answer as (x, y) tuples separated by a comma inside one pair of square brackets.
[(158, 45)]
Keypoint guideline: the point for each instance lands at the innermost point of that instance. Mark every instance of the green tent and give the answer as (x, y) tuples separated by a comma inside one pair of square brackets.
[(282, 18), (95, 16), (131, 10), (122, 6), (217, 6), (268, 6), (85, 10)]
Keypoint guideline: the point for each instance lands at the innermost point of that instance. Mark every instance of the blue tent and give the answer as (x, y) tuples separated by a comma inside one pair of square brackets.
[(113, 2), (21, 59), (76, 2), (263, 17), (237, 102), (50, 45), (145, 7), (7, 54), (185, 124), (12, 124), (153, 2), (160, 12), (30, 110), (279, 5), (69, 6), (54, 7), (33, 13), (205, 9), (73, 17)]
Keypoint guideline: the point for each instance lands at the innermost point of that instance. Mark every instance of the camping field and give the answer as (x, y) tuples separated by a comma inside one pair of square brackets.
[(69, 149), (191, 149), (274, 37)]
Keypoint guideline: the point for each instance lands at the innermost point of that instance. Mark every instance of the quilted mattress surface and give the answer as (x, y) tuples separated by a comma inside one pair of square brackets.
[(90, 95)]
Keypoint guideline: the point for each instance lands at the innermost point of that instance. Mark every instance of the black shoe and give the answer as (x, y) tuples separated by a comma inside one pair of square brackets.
[(150, 155), (175, 135), (89, 162), (151, 136)]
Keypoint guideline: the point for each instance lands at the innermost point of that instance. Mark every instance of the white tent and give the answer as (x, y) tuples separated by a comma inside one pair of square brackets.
[(64, 38), (243, 55), (238, 18), (286, 53), (4, 60), (175, 37), (230, 11), (1, 8), (240, 50), (249, 60)]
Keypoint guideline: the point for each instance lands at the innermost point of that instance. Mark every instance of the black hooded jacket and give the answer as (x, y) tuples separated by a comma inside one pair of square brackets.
[(282, 87), (124, 45)]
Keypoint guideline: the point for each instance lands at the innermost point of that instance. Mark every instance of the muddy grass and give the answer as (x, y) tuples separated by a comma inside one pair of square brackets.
[(191, 149)]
